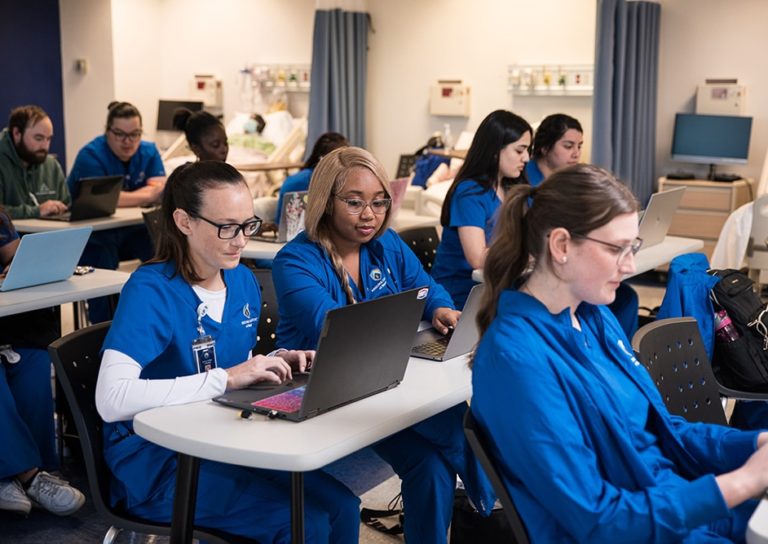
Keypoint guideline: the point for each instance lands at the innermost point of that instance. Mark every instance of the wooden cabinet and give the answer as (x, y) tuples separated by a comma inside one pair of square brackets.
[(705, 206)]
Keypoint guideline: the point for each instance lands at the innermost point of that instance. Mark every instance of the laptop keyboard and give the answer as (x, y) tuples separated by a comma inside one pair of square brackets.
[(288, 402), (435, 348)]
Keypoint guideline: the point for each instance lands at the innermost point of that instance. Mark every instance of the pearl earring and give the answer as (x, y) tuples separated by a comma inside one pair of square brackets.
[(564, 260)]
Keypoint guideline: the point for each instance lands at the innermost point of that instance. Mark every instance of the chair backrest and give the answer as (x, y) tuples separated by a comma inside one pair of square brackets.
[(152, 222), (674, 354), (423, 241), (479, 446), (266, 339), (76, 358)]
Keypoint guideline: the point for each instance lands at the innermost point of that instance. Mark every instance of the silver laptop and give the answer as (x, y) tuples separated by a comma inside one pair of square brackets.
[(45, 257), (430, 344), (363, 350), (291, 219), (658, 215), (97, 198)]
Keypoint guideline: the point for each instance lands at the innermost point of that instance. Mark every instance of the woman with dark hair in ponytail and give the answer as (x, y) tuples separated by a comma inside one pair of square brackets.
[(347, 254), (583, 441), (495, 161), (195, 288)]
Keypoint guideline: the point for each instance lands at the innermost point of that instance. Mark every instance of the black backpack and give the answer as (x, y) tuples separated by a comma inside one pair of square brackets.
[(741, 363)]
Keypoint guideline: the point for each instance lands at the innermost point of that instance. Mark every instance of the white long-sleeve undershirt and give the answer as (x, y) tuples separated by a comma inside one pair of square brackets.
[(121, 393)]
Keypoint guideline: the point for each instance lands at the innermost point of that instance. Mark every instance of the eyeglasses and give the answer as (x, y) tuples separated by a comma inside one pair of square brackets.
[(355, 206), (227, 231), (621, 252), (126, 136)]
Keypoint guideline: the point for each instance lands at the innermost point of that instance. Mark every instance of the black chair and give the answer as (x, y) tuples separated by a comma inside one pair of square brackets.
[(76, 358), (406, 165), (423, 241), (152, 221), (674, 354), (479, 446), (266, 339)]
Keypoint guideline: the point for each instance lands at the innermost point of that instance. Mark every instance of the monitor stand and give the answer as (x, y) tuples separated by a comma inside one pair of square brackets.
[(714, 176)]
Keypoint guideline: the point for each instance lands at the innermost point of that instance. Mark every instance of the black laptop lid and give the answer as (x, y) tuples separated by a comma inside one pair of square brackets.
[(97, 197), (364, 349)]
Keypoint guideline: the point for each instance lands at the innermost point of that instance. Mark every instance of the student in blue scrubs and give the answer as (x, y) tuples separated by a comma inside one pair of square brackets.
[(495, 161), (26, 417), (577, 428), (300, 180), (556, 144), (347, 254), (120, 151), (195, 287), (205, 134)]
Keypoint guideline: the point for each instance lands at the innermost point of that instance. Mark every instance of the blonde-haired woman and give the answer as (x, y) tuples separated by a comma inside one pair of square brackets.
[(347, 254)]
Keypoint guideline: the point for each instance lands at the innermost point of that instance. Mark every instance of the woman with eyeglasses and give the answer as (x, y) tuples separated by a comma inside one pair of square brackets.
[(120, 151), (195, 311), (495, 161), (575, 425), (347, 254)]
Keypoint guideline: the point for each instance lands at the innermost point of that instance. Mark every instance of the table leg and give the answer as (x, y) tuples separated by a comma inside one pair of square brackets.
[(182, 523), (297, 507)]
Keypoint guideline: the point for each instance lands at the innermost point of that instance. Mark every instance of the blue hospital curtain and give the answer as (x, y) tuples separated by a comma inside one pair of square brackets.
[(339, 65), (626, 81)]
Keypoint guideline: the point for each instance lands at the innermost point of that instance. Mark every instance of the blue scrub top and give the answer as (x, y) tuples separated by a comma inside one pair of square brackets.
[(307, 285), (599, 455), (97, 159), (7, 231), (534, 173), (472, 205), (297, 182), (155, 324)]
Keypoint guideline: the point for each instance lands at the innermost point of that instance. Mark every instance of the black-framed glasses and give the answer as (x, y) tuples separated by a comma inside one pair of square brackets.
[(126, 136), (227, 231), (621, 251), (355, 206)]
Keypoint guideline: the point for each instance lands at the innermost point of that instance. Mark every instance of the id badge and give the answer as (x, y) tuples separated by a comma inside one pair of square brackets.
[(204, 351)]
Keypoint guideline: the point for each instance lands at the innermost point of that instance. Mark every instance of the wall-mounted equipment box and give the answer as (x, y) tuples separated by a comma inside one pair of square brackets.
[(721, 99), (206, 89), (450, 97)]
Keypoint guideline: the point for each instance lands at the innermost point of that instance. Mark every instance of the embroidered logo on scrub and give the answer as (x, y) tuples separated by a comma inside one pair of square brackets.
[(422, 293), (377, 276), (248, 321)]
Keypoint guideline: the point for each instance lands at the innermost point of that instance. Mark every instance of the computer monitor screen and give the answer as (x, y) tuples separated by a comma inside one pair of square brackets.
[(711, 139), (166, 109)]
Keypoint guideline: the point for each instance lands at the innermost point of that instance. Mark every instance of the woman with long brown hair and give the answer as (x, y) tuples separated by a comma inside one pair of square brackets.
[(580, 434)]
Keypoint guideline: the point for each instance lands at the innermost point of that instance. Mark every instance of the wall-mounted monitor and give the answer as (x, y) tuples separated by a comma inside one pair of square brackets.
[(711, 139), (166, 109)]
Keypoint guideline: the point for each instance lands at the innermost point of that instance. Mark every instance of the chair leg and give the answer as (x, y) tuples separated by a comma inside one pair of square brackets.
[(111, 535)]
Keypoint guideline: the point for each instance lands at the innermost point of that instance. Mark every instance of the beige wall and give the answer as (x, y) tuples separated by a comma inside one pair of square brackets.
[(86, 32), (712, 39), (161, 44), (418, 42)]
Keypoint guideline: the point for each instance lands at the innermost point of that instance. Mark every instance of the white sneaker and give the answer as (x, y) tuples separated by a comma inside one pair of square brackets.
[(13, 498), (55, 494)]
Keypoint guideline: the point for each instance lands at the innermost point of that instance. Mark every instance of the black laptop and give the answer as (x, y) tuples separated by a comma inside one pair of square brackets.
[(97, 198), (363, 350), (430, 344)]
